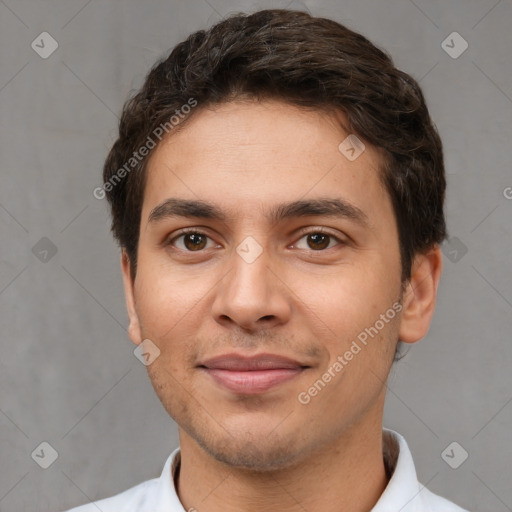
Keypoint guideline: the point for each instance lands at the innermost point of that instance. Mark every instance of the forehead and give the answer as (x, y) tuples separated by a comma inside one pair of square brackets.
[(249, 154)]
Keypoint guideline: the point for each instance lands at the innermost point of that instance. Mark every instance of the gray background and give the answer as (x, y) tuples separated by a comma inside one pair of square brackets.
[(68, 375)]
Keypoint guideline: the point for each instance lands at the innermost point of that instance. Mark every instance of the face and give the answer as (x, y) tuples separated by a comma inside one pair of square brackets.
[(265, 258)]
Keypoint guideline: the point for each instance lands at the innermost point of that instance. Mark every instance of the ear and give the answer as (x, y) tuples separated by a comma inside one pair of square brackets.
[(420, 295), (134, 330)]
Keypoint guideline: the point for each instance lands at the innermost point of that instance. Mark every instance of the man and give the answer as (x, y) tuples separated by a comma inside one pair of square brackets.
[(277, 192)]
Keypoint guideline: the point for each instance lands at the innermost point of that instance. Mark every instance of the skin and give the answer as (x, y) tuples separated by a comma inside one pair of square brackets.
[(269, 452)]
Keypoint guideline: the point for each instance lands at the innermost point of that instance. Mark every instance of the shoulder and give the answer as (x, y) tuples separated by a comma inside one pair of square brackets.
[(130, 500), (404, 492), (435, 503), (152, 495)]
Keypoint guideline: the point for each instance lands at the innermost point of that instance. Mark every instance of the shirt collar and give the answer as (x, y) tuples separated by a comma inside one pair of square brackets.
[(402, 494)]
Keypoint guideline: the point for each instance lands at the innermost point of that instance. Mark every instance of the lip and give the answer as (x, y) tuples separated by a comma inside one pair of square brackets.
[(251, 375)]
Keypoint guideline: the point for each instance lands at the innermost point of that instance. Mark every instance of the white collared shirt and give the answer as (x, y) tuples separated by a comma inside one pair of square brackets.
[(402, 494)]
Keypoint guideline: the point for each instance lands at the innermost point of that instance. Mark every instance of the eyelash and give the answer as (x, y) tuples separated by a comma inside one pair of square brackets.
[(315, 231)]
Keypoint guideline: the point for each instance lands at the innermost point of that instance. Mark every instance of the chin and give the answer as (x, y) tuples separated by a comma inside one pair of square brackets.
[(253, 447), (250, 440), (257, 455)]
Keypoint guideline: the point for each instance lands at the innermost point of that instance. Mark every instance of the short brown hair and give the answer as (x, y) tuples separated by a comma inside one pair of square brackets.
[(309, 62)]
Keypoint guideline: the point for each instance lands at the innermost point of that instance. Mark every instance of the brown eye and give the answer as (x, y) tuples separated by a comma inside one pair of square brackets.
[(318, 241), (194, 241)]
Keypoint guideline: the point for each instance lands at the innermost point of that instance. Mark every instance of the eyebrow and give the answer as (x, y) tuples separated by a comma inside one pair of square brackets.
[(199, 209)]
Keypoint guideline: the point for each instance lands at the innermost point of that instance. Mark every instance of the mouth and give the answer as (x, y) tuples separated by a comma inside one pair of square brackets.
[(251, 375)]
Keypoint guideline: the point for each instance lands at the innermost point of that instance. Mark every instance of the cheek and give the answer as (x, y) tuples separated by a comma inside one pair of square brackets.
[(347, 306), (164, 298), (351, 295)]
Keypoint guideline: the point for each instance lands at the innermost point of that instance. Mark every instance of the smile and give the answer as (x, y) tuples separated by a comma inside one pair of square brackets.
[(251, 375)]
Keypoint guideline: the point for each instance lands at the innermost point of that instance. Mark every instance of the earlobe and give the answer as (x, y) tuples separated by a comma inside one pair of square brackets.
[(134, 331), (420, 296)]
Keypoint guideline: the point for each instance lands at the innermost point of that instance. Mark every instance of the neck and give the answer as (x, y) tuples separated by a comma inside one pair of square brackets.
[(348, 474)]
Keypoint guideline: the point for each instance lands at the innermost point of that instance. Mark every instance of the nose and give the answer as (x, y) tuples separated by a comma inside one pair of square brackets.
[(251, 296)]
